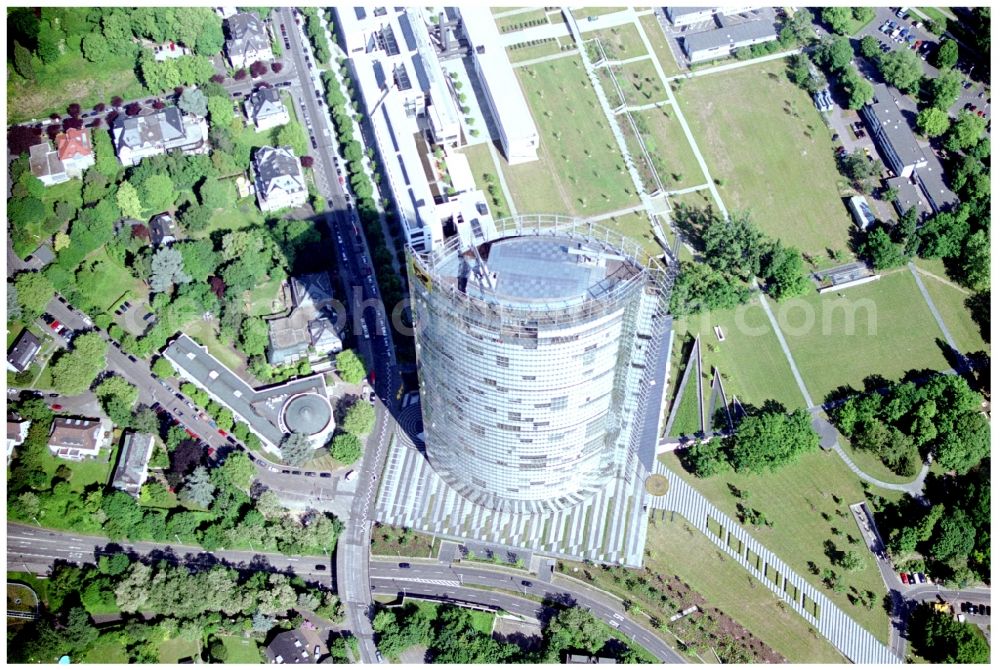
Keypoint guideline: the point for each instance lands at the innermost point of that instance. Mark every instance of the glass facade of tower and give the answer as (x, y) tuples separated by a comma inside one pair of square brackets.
[(531, 351)]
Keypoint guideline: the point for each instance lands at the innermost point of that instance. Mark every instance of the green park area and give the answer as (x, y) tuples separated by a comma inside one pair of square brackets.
[(396, 541), (580, 170), (639, 82), (950, 298), (526, 51), (767, 147), (636, 227), (672, 155), (241, 650), (805, 504), (620, 43), (175, 649), (661, 49), (750, 360), (675, 548), (880, 328), (521, 20), (699, 199)]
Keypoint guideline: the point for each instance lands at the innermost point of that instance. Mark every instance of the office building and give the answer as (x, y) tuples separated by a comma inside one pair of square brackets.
[(892, 134)]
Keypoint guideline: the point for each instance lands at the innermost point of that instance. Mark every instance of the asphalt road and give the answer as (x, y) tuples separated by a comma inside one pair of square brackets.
[(449, 580), (36, 549)]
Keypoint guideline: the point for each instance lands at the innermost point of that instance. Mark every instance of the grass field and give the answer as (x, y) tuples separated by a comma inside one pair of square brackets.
[(386, 542), (482, 165), (639, 82), (678, 549), (266, 298), (794, 500), (204, 332), (620, 43), (672, 155), (635, 226), (107, 282), (687, 422), (86, 472), (245, 214), (750, 359), (241, 650), (108, 652), (173, 650), (580, 170), (69, 79), (950, 302), (765, 140), (661, 50), (881, 328), (696, 199), (581, 13), (481, 621)]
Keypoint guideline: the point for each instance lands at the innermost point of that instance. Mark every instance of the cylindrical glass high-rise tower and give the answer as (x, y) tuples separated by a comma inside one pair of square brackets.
[(530, 352)]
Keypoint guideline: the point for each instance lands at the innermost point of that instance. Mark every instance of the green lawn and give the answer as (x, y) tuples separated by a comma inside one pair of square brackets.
[(672, 155), (70, 78), (765, 140), (171, 651), (696, 199), (481, 164), (580, 170), (934, 13), (950, 302), (794, 500), (661, 50), (750, 360), (108, 652), (87, 471), (639, 82), (204, 332), (620, 42), (635, 226), (245, 214), (581, 13), (687, 422), (677, 549), (481, 621), (241, 650), (108, 282), (266, 298), (881, 328)]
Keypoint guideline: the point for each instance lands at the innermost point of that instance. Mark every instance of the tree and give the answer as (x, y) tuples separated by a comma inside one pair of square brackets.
[(975, 261), (220, 111), (903, 69), (22, 62), (859, 91), (941, 639), (210, 39), (851, 561), (350, 367), (785, 274), (253, 336), (196, 217), (573, 628), (945, 89), (835, 54), (200, 259), (74, 371), (946, 55), (25, 212), (869, 46), (770, 439), (158, 192), (238, 470), (933, 122), (128, 201), (359, 419), (965, 131), (133, 591), (167, 270), (879, 249), (345, 448), (193, 101), (707, 459), (296, 449), (216, 193), (34, 292), (838, 18), (942, 234), (863, 14), (95, 48), (117, 398), (198, 488), (105, 161), (966, 444), (291, 134)]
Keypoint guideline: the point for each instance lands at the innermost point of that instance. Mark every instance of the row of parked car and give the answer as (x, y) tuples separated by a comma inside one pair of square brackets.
[(973, 608), (913, 578)]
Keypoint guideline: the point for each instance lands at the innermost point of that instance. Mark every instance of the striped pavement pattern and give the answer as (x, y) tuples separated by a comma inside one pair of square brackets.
[(849, 637)]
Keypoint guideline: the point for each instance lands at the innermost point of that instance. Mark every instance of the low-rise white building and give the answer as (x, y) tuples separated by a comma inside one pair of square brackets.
[(278, 179), (17, 431), (73, 153), (722, 42), (266, 109), (504, 97), (681, 17), (133, 463)]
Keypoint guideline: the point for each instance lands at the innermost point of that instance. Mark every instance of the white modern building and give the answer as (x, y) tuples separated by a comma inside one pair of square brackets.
[(266, 109), (504, 97), (17, 431), (722, 42), (133, 463), (681, 17), (278, 179), (414, 117), (76, 439), (862, 213), (892, 133)]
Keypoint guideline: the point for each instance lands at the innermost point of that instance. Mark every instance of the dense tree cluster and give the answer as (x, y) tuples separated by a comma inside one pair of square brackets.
[(317, 35), (907, 420), (764, 440), (836, 57), (450, 636), (735, 252), (939, 638), (186, 604)]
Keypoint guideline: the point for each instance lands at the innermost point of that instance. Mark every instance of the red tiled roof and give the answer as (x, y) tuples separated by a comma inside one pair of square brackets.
[(73, 143)]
